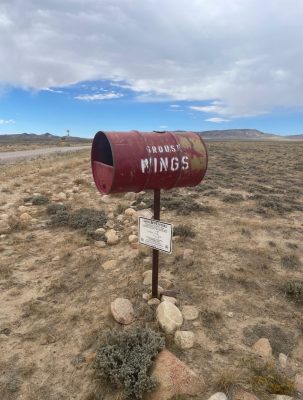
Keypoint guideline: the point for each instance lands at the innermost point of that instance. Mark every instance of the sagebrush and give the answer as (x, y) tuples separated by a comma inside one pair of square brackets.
[(124, 359)]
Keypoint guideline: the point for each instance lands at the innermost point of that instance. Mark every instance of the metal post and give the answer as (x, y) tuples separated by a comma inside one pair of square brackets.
[(156, 252)]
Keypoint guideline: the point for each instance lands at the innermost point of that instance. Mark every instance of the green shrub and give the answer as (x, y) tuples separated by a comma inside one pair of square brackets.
[(294, 290), (184, 206), (233, 198), (184, 231), (281, 339), (268, 379), (291, 261), (79, 181), (124, 359), (39, 200), (54, 208), (120, 209), (85, 219)]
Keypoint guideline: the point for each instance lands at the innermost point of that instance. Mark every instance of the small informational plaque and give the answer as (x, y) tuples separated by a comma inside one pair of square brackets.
[(156, 234)]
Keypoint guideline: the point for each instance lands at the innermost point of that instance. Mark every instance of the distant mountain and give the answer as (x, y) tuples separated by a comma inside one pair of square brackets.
[(238, 134), (295, 137), (34, 138)]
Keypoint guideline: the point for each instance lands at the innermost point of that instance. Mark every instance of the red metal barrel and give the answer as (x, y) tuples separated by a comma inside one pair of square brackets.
[(135, 161)]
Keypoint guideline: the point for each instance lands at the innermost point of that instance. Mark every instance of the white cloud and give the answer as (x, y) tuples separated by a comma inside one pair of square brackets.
[(215, 107), (174, 106), (216, 120), (6, 121), (94, 97), (52, 90), (247, 55)]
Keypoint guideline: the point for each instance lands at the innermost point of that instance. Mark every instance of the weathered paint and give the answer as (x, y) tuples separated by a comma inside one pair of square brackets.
[(135, 161)]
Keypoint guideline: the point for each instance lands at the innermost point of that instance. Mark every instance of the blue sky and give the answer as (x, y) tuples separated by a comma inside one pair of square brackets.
[(87, 107), (152, 65)]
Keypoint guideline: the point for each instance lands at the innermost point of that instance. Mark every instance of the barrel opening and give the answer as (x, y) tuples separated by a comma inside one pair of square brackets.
[(102, 151)]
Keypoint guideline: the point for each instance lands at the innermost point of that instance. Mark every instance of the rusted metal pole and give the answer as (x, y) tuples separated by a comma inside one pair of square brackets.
[(156, 252)]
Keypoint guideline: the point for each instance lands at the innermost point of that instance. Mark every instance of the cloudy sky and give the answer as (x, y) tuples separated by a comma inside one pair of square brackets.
[(87, 65)]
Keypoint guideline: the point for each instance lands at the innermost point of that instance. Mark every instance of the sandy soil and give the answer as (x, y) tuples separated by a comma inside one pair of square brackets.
[(54, 292)]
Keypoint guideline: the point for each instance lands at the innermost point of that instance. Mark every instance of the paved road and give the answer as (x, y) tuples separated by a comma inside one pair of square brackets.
[(11, 156)]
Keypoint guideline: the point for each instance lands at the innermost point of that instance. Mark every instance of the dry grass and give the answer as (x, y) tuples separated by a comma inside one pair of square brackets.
[(245, 280)]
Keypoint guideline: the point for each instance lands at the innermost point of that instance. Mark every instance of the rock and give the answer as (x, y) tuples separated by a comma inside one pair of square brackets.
[(188, 257), (110, 264), (147, 275), (169, 298), (160, 290), (25, 218), (165, 283), (99, 231), (190, 313), (56, 258), (244, 395), (145, 213), (169, 317), (298, 385), (263, 348), (130, 196), (153, 302), (146, 296), (100, 243), (110, 215), (111, 236), (120, 218), (4, 227), (106, 199), (282, 397), (147, 261), (283, 360), (122, 311), (218, 396), (188, 253), (89, 358), (110, 224), (184, 339), (133, 238), (134, 245), (59, 196), (130, 212), (174, 378), (22, 209), (4, 216)]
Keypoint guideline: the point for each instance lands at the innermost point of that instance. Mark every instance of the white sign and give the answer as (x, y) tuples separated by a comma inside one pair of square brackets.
[(155, 234)]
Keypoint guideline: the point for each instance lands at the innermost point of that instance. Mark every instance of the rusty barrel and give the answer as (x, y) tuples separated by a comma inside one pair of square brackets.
[(135, 161)]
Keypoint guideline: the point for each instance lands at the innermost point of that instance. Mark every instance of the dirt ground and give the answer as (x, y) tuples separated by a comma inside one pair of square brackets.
[(12, 156), (19, 145), (54, 293)]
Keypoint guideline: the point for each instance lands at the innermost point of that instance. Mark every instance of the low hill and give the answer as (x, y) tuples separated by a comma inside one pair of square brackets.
[(300, 137), (34, 138), (238, 134)]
